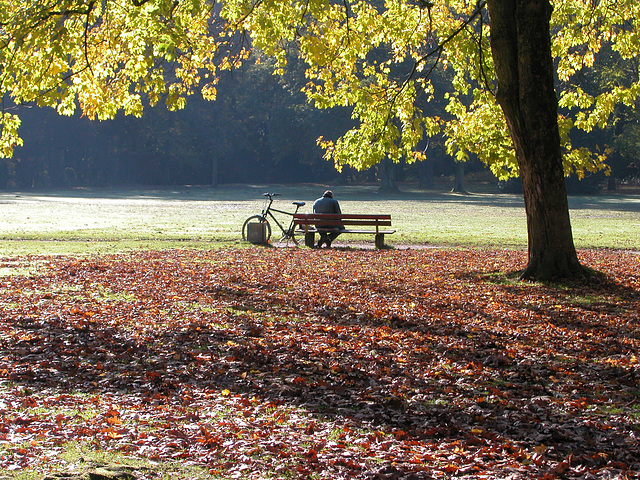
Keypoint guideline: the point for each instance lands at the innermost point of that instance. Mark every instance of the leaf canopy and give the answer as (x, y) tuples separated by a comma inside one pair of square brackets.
[(105, 57), (381, 58)]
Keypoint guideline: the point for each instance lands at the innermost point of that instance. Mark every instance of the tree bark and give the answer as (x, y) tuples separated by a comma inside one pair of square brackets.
[(521, 49), (459, 186), (387, 174), (425, 173)]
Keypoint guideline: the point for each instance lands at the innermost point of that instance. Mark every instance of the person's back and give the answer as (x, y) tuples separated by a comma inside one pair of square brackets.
[(327, 204)]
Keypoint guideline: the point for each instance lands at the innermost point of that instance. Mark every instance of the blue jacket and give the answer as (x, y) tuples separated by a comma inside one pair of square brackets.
[(326, 205)]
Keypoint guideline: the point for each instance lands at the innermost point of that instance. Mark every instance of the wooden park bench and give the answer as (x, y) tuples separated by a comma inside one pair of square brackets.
[(312, 223)]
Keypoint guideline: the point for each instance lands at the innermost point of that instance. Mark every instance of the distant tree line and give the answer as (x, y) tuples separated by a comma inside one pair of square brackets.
[(260, 130)]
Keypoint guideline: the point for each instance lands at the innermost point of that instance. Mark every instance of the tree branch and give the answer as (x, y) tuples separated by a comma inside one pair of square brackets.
[(251, 10), (346, 16), (482, 62), (438, 50), (455, 33), (86, 35), (72, 11)]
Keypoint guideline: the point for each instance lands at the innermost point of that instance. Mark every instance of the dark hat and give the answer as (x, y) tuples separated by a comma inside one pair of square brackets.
[(328, 193)]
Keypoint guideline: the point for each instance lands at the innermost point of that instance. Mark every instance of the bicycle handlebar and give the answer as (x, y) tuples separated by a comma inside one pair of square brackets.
[(271, 195)]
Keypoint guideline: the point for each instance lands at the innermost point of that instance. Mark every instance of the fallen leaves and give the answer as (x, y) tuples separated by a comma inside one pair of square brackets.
[(332, 364)]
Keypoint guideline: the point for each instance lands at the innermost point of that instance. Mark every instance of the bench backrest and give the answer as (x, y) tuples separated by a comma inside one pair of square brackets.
[(320, 219)]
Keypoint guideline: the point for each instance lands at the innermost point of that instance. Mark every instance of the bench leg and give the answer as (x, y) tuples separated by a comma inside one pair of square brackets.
[(379, 240), (309, 239)]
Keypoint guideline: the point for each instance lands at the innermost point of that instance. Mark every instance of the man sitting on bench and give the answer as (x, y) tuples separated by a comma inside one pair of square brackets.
[(327, 204)]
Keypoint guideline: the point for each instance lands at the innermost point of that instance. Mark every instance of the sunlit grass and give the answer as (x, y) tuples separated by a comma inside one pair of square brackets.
[(84, 457), (110, 221)]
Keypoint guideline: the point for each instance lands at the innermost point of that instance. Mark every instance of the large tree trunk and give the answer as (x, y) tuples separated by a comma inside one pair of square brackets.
[(521, 48), (425, 173), (458, 186), (387, 174)]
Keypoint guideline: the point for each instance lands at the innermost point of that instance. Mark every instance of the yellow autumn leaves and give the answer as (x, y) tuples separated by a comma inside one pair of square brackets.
[(377, 58)]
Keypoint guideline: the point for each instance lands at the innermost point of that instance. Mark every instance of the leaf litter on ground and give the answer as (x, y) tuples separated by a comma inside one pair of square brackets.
[(271, 363)]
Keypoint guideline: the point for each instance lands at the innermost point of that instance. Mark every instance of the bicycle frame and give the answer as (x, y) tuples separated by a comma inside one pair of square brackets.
[(267, 212)]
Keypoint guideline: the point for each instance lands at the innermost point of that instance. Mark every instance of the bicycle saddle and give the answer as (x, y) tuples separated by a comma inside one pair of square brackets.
[(299, 204)]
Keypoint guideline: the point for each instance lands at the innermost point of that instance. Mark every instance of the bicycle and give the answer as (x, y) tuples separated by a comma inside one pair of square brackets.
[(287, 234)]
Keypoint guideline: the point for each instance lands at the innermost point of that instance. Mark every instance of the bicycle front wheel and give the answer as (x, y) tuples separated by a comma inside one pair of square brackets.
[(256, 219)]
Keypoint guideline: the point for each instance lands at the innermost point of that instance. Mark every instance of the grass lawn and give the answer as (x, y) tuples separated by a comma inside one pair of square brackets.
[(102, 221)]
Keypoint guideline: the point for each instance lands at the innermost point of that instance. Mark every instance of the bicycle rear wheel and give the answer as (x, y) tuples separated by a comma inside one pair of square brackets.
[(259, 219), (290, 235)]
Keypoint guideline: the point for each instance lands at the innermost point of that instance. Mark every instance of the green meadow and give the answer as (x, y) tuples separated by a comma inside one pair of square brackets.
[(95, 221)]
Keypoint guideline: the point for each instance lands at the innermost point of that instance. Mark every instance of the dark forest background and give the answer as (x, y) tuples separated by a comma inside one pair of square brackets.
[(260, 130)]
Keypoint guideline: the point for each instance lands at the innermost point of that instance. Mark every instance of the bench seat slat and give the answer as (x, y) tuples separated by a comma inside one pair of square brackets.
[(334, 216), (345, 219), (345, 222), (372, 232), (312, 223)]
